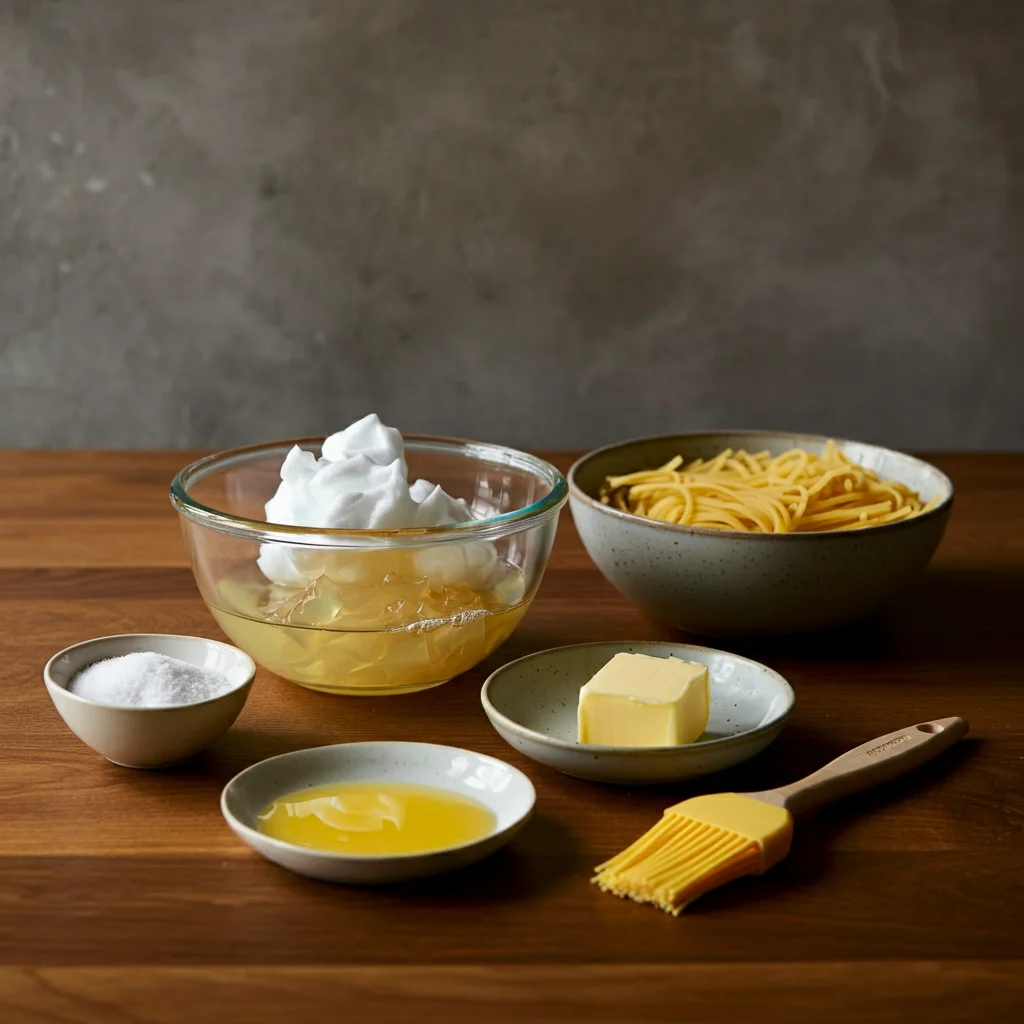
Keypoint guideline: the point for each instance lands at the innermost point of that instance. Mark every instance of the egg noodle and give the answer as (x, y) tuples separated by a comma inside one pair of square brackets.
[(795, 492)]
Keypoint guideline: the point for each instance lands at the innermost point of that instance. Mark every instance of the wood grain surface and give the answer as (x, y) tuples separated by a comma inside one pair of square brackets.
[(124, 897)]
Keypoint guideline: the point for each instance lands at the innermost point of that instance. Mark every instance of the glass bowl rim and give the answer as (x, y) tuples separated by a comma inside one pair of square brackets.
[(476, 529)]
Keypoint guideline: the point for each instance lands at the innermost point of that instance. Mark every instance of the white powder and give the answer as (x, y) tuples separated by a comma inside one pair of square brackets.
[(148, 680)]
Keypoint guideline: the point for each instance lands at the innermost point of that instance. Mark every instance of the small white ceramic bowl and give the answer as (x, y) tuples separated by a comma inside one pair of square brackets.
[(149, 737), (532, 703), (505, 790)]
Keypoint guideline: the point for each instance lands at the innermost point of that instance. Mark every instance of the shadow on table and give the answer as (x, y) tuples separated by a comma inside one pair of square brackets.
[(810, 859), (799, 752), (832, 821), (539, 858), (948, 611), (211, 769), (240, 747)]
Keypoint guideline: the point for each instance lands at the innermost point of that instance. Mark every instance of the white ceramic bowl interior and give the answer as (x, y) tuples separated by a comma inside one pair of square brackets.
[(505, 790), (726, 583), (150, 737), (532, 703)]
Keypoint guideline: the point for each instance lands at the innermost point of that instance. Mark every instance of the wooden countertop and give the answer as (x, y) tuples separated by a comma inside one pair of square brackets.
[(124, 897)]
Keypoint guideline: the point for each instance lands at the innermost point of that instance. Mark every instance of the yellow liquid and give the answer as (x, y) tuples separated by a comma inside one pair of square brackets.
[(389, 633), (376, 818)]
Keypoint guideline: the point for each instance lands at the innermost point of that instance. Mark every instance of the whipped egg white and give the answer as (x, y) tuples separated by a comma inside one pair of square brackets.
[(360, 482)]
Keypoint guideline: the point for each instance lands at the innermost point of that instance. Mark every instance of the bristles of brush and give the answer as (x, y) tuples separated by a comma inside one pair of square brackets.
[(677, 861)]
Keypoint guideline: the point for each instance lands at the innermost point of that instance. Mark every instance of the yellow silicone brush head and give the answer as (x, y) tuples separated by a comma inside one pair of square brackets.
[(709, 840), (697, 846)]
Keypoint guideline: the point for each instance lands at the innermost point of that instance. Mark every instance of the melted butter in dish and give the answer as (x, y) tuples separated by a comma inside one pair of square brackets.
[(376, 819)]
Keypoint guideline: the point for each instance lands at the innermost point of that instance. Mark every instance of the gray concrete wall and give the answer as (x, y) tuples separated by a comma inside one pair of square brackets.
[(545, 222)]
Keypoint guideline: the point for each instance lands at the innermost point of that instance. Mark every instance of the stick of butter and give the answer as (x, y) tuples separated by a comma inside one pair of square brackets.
[(640, 701)]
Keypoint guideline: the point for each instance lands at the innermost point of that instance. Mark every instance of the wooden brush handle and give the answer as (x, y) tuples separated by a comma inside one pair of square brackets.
[(878, 760)]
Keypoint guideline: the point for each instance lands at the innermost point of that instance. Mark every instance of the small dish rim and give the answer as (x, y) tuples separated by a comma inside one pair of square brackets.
[(577, 492), (358, 858), (635, 752), (52, 684)]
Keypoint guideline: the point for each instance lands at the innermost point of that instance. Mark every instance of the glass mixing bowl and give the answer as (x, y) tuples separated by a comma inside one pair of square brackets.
[(371, 611)]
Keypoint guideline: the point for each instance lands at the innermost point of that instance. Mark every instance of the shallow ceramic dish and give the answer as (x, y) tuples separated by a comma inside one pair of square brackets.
[(722, 582), (150, 737), (505, 790), (532, 703)]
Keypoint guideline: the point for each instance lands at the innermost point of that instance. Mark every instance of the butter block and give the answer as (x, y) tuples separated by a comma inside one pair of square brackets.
[(639, 701)]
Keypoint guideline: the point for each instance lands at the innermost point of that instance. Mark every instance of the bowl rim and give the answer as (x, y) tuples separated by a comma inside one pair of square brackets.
[(52, 684), (599, 749), (940, 509), (479, 529), (240, 827)]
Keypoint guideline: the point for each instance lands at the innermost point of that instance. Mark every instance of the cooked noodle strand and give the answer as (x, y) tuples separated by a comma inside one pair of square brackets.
[(797, 491)]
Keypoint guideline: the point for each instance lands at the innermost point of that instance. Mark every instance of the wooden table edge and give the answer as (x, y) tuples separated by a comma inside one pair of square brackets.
[(882, 990)]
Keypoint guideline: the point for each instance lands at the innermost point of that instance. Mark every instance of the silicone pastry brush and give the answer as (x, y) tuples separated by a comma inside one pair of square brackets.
[(706, 841)]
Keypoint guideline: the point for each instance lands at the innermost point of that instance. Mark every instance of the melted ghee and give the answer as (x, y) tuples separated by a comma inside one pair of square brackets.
[(376, 818)]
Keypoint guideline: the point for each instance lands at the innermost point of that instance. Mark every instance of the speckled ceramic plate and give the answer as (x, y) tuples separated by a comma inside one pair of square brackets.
[(532, 703), (505, 790)]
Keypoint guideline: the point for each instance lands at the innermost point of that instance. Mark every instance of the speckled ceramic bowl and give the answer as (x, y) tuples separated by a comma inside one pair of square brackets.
[(721, 582), (532, 703)]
